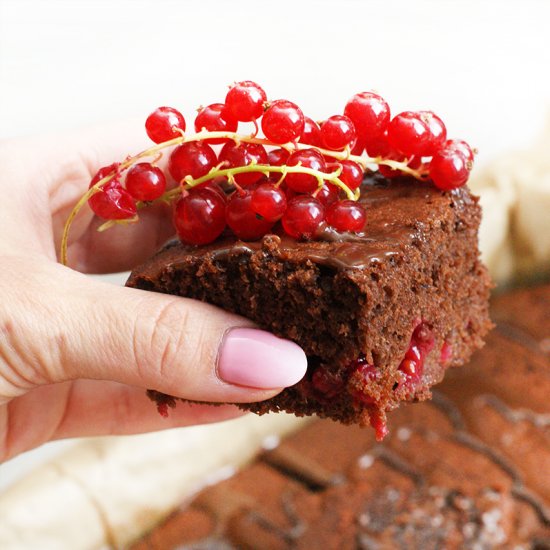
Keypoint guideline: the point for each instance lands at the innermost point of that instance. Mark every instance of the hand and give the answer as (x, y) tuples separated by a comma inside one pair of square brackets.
[(76, 354)]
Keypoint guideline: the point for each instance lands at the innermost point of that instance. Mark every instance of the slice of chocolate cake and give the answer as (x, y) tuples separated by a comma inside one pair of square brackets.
[(381, 314), (468, 470)]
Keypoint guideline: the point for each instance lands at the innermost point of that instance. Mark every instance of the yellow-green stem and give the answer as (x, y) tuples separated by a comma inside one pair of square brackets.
[(333, 178)]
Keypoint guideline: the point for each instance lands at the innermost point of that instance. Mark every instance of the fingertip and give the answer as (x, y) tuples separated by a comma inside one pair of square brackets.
[(256, 358)]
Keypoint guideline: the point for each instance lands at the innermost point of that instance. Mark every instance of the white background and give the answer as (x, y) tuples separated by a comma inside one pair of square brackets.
[(483, 66)]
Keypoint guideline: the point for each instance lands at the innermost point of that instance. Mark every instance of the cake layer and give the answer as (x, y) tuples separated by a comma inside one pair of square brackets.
[(409, 286), (467, 470)]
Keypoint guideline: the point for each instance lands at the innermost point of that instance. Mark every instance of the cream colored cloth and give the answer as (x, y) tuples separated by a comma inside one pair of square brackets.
[(105, 492), (515, 196)]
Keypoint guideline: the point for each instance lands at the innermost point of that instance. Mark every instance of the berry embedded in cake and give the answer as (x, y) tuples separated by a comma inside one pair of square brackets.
[(355, 237)]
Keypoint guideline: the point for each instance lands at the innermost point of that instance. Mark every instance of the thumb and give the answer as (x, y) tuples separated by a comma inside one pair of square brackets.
[(84, 328)]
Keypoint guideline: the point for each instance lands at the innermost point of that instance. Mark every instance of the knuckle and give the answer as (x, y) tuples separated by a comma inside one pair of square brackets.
[(160, 338), (25, 354)]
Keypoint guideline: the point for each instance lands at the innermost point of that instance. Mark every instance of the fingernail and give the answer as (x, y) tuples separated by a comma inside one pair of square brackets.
[(256, 358)]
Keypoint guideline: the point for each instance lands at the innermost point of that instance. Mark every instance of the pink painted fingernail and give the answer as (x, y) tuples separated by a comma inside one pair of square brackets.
[(256, 358)]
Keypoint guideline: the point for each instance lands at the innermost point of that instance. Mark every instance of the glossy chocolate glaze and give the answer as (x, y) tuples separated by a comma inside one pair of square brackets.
[(393, 210)]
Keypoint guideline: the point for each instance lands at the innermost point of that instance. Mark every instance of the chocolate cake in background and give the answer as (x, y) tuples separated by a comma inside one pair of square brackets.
[(469, 469), (381, 315)]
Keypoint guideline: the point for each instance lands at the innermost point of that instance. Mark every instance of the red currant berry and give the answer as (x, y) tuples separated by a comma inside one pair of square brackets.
[(352, 174), (380, 426), (289, 193), (283, 121), (407, 133), (417, 163), (162, 124), (242, 219), (269, 202), (327, 194), (112, 201), (423, 337), (245, 101), (390, 154), (145, 182), (337, 132), (327, 383), (215, 118), (461, 146), (367, 372), (416, 133), (422, 342), (413, 353), (361, 378), (199, 217), (437, 133), (194, 158), (311, 134), (359, 147), (110, 170), (215, 188), (411, 369), (449, 169), (370, 114), (277, 157), (346, 216), (308, 158), (378, 146), (303, 216), (244, 154)]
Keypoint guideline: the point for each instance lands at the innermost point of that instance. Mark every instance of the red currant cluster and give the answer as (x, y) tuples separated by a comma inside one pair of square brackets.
[(300, 173)]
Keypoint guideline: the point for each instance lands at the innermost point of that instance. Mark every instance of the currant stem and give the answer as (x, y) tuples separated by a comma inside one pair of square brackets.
[(156, 151), (238, 138), (111, 223), (266, 169), (81, 202)]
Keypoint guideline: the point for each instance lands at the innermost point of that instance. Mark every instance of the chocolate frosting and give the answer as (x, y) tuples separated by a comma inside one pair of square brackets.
[(393, 210)]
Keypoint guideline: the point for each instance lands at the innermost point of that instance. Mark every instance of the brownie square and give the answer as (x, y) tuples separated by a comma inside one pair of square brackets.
[(381, 315)]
